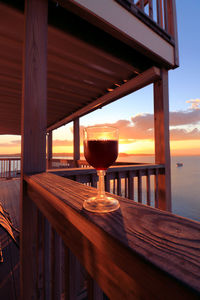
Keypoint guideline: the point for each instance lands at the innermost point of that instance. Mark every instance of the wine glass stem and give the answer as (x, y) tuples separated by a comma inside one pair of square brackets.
[(101, 189)]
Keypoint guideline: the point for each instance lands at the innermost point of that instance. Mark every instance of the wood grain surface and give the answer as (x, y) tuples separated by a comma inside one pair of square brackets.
[(137, 251)]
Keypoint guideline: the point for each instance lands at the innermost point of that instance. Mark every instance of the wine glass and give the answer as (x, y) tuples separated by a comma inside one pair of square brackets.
[(101, 151)]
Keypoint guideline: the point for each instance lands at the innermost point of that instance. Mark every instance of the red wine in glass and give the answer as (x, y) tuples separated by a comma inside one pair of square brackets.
[(101, 154), (101, 151)]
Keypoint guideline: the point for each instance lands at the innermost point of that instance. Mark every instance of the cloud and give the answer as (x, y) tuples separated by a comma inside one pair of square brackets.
[(182, 134), (14, 143), (195, 103), (141, 126), (190, 117), (62, 143)]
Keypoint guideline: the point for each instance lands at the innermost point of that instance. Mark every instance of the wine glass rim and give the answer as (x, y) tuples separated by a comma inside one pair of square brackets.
[(112, 127)]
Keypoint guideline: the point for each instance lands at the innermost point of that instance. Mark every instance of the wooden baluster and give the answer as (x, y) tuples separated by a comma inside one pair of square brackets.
[(126, 187), (130, 186), (94, 291), (114, 186), (159, 13), (148, 187), (9, 166), (139, 187), (47, 260), (142, 5), (72, 275), (94, 180), (119, 184), (107, 183), (165, 14), (40, 255), (52, 263), (150, 9), (156, 188), (58, 270)]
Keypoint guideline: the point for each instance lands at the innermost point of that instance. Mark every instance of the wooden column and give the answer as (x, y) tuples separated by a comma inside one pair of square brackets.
[(162, 150), (49, 148), (33, 134), (76, 140)]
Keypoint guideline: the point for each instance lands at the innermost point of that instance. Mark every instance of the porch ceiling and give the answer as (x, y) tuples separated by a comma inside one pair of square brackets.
[(80, 69)]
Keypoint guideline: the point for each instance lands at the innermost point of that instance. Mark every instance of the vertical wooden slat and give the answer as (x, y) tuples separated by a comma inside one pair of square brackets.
[(130, 186), (47, 261), (33, 131), (162, 150), (40, 255), (53, 274), (58, 270), (148, 186), (49, 149), (107, 182), (76, 129), (72, 276), (142, 5), (119, 192), (94, 291), (126, 186), (156, 189), (93, 180), (165, 14), (139, 187), (159, 13), (150, 9), (114, 186)]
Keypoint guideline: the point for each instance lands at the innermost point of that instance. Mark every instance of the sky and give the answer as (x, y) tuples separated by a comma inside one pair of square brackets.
[(133, 114)]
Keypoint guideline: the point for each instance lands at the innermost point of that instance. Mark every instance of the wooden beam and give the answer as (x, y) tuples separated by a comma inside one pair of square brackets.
[(34, 98), (138, 82), (76, 140), (151, 252), (162, 150)]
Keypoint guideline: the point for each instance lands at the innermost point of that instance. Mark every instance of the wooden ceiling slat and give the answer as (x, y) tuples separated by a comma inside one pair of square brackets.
[(69, 65), (63, 39), (60, 82), (88, 59)]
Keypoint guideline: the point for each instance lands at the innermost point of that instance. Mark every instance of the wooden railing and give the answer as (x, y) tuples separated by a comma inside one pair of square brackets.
[(158, 14), (10, 167), (137, 182), (136, 252)]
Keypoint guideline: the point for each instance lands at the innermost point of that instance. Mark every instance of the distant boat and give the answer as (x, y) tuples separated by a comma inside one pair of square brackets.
[(178, 164)]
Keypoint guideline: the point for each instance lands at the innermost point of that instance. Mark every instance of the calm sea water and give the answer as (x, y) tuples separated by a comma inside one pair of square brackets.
[(185, 183)]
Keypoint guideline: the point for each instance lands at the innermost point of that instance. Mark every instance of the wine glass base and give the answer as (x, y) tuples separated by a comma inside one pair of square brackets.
[(101, 205)]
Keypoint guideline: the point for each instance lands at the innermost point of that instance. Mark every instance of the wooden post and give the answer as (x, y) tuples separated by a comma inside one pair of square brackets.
[(76, 140), (49, 148), (162, 150), (34, 94)]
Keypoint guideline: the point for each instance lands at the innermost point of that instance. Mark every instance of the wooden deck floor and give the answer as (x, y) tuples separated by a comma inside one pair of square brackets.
[(9, 268)]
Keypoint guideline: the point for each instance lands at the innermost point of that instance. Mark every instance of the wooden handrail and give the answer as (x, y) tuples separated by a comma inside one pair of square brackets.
[(136, 252)]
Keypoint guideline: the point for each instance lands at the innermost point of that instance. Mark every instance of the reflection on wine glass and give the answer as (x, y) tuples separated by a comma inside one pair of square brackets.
[(101, 151)]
